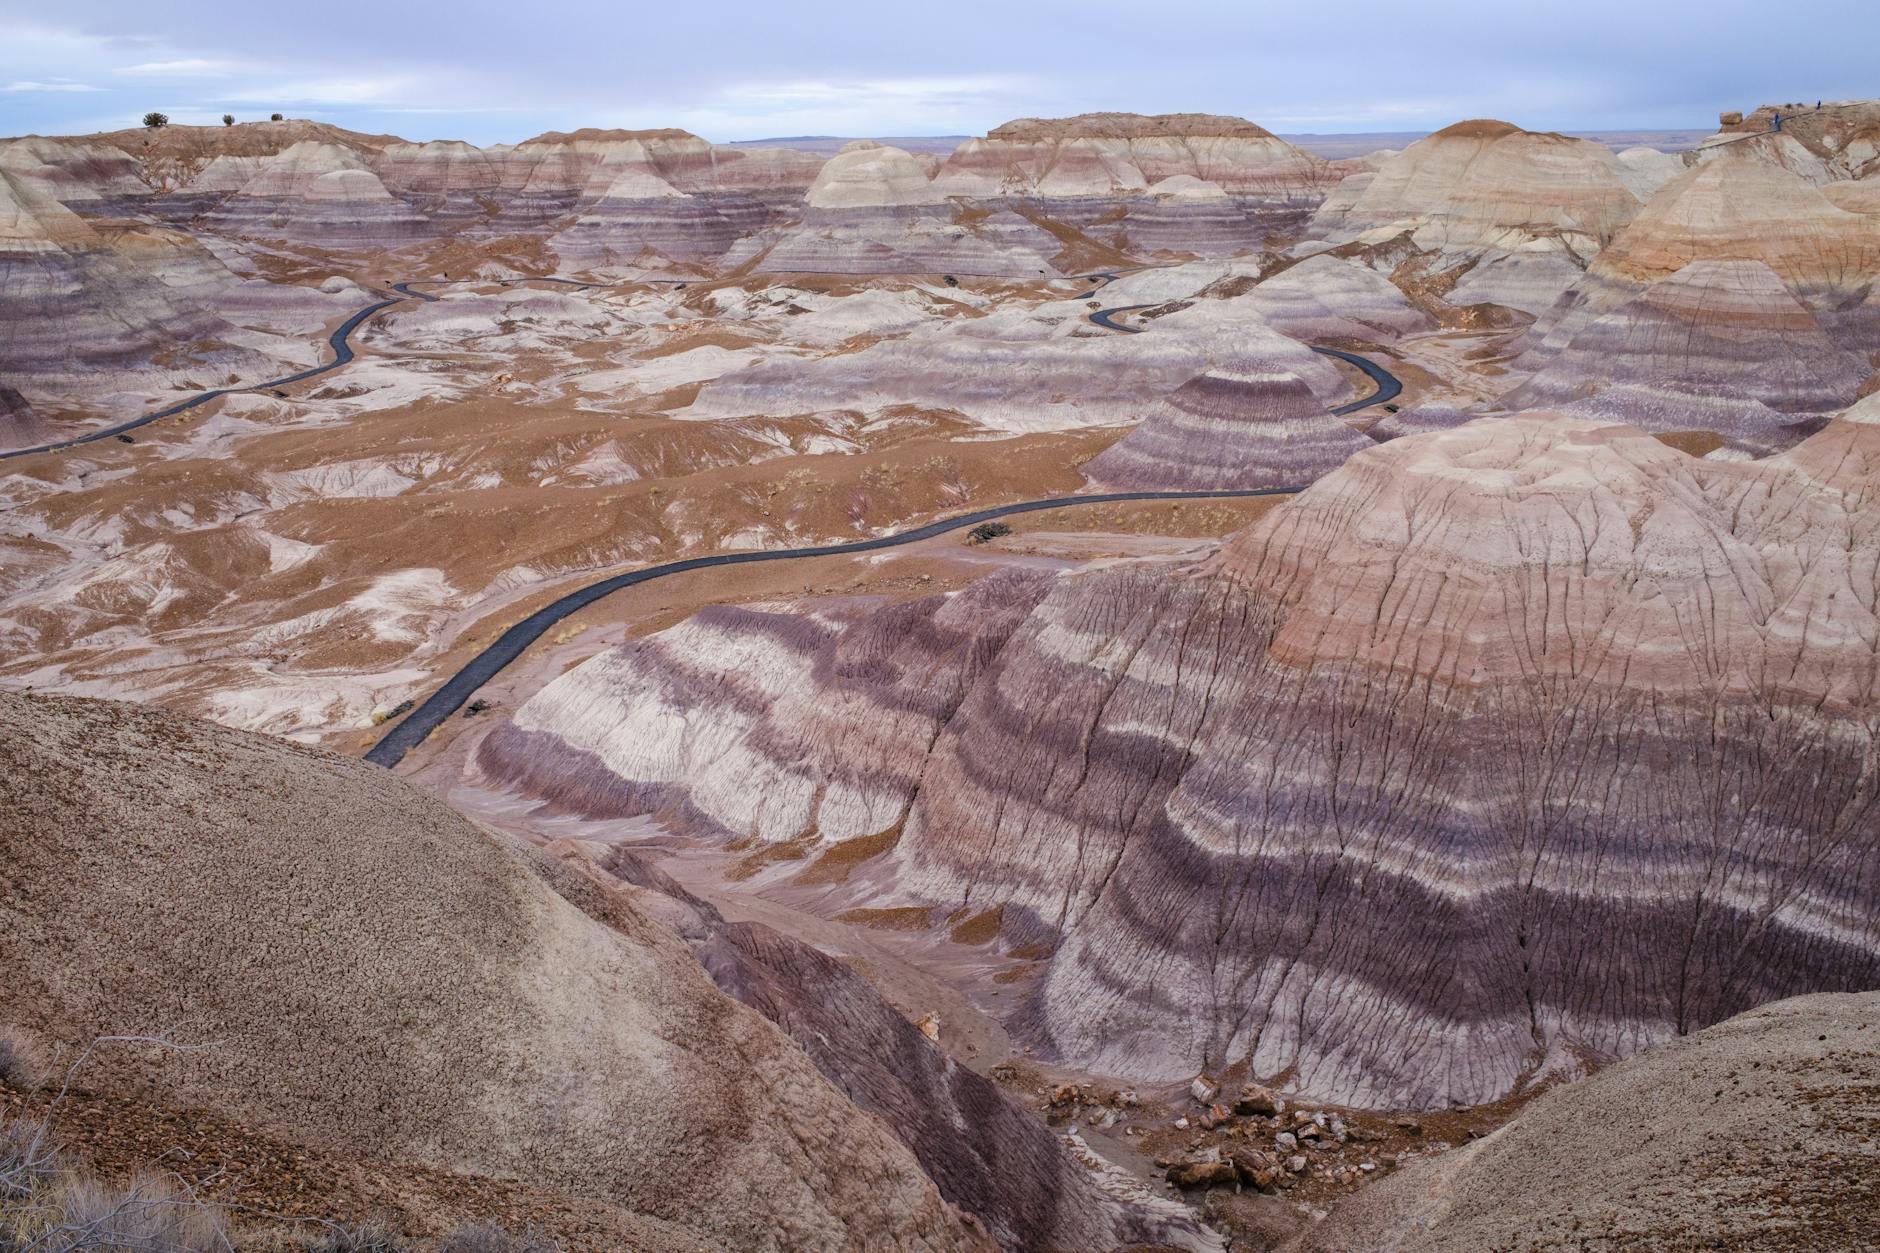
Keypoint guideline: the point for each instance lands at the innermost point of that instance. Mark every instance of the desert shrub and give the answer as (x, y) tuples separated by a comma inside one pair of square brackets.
[(45, 1205), (274, 117), (228, 119), (490, 1238), (26, 1162), (154, 119), (987, 531), (371, 1237)]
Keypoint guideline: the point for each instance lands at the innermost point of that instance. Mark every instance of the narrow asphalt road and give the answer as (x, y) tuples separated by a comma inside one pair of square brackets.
[(339, 341), (457, 690), (342, 353), (1389, 387)]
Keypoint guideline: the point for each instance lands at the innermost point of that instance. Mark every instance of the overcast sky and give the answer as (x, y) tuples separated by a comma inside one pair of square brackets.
[(745, 69)]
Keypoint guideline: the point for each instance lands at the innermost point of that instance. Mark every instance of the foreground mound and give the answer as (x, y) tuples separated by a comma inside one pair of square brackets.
[(1755, 1134), (360, 970)]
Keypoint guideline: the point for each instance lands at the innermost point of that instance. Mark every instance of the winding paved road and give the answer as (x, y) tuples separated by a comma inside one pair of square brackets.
[(340, 342), (1388, 385), (342, 353), (457, 690)]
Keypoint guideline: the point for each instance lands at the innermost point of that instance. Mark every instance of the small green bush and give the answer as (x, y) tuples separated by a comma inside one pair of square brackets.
[(987, 531), (153, 119), (228, 119)]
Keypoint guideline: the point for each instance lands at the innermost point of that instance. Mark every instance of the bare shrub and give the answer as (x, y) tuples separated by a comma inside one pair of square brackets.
[(371, 1237), (490, 1238), (48, 1207), (26, 1161)]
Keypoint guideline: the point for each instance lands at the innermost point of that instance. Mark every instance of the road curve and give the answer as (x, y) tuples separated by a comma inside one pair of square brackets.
[(457, 690), (1389, 387), (342, 353), (339, 341)]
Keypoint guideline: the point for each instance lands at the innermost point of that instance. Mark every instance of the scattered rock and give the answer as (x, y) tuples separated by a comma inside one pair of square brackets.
[(1204, 1090), (1201, 1173), (1214, 1116), (1286, 1142), (1257, 1101)]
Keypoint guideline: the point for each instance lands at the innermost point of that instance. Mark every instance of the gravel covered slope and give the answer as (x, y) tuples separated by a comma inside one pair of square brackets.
[(367, 972), (1759, 1133)]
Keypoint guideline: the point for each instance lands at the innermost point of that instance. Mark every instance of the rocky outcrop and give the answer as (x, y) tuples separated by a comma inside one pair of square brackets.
[(1024, 372), (1227, 429), (1497, 750), (89, 316), (369, 974), (1689, 1145), (1719, 345), (990, 1158), (1514, 214), (1712, 238), (909, 240), (1840, 137), (1324, 298), (868, 175), (1123, 154), (319, 193)]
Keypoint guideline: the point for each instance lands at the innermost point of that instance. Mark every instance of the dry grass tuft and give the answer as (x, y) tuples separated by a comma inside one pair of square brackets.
[(46, 1205), (19, 1061), (490, 1238)]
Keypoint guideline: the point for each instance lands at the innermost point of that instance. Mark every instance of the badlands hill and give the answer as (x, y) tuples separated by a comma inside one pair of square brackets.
[(1753, 1134), (340, 963), (1508, 215), (1321, 808), (901, 898)]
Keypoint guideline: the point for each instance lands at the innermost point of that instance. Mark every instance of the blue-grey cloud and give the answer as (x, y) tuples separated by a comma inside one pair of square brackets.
[(742, 69)]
